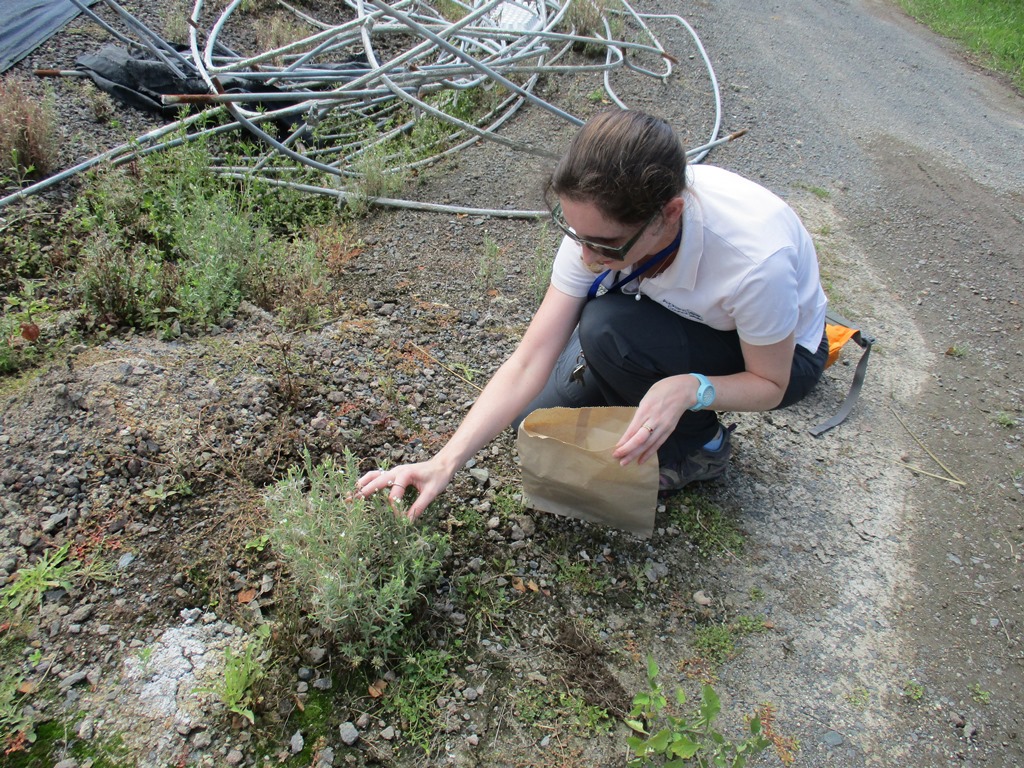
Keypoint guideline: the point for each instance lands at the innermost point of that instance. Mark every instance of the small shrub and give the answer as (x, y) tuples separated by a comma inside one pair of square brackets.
[(28, 131), (124, 284), (364, 567)]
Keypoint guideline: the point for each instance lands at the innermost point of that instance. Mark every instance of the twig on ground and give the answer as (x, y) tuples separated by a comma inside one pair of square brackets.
[(951, 475)]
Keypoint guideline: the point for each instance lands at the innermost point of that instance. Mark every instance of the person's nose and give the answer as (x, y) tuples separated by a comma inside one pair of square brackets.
[(591, 257)]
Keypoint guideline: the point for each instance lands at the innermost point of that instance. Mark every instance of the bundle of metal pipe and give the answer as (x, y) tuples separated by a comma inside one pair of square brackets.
[(505, 43)]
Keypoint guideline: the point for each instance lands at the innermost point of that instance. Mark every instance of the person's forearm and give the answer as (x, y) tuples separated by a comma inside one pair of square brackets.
[(743, 391)]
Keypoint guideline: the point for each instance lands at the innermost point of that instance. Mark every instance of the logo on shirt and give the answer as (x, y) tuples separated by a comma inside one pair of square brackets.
[(684, 312)]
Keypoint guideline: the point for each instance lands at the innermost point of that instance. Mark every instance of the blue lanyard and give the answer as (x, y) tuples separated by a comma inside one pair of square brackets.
[(659, 257)]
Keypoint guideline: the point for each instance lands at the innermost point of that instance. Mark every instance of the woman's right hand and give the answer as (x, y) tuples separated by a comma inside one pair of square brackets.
[(429, 478)]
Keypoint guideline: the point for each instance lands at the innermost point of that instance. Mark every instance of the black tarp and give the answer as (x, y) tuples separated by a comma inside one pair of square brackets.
[(27, 24)]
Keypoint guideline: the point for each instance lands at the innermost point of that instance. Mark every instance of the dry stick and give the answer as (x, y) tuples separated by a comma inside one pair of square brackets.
[(952, 476), (920, 471)]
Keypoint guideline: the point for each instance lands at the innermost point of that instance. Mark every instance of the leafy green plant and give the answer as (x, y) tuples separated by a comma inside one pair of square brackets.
[(364, 566), (258, 543), (242, 672), (17, 728), (664, 739), (51, 571), (1005, 420), (980, 695), (913, 690)]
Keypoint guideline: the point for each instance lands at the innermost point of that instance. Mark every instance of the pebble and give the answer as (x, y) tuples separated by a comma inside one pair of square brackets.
[(234, 757), (833, 738), (388, 734), (297, 743), (349, 733), (202, 740)]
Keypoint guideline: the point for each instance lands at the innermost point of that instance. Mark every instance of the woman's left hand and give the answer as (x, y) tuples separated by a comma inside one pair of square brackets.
[(656, 418)]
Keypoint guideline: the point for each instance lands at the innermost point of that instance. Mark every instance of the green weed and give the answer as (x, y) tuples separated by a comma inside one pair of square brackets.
[(364, 567), (1005, 420), (242, 672), (714, 643), (580, 576), (913, 690), (489, 269), (980, 695), (664, 739), (559, 709), (51, 571), (819, 192), (28, 132), (422, 678), (706, 524)]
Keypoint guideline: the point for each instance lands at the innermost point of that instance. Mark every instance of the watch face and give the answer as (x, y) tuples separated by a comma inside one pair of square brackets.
[(706, 395)]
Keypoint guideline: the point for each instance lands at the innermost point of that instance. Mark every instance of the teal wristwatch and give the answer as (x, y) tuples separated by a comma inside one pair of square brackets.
[(705, 392)]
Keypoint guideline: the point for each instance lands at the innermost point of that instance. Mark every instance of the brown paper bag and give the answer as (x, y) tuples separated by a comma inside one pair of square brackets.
[(568, 468)]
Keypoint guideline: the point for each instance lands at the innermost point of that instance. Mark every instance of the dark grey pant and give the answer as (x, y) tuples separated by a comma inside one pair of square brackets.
[(628, 345)]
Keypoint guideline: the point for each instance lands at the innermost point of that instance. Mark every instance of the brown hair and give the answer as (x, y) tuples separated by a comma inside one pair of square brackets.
[(629, 164)]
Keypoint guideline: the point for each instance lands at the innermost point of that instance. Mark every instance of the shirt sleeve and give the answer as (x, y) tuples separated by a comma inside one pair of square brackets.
[(568, 273), (766, 303)]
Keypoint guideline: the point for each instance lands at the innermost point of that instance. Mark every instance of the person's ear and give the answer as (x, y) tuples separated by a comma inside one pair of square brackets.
[(673, 210)]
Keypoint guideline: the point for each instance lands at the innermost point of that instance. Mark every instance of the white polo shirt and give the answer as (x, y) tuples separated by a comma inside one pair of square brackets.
[(746, 264)]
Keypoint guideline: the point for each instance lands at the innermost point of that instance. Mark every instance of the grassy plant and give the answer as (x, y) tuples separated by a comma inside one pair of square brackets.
[(174, 15), (28, 132), (993, 29), (664, 739), (165, 241), (242, 673), (750, 625), (580, 577), (489, 269), (364, 567), (276, 31), (705, 524), (819, 192), (421, 678), (51, 571), (858, 698), (585, 16)]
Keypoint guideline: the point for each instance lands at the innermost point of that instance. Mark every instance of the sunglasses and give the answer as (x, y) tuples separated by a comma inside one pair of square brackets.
[(618, 253)]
